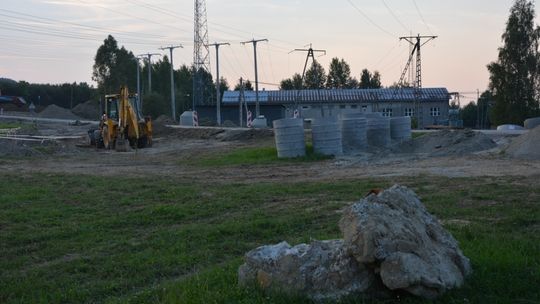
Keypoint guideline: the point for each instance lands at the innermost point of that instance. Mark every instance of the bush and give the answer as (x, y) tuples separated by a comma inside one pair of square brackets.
[(156, 105)]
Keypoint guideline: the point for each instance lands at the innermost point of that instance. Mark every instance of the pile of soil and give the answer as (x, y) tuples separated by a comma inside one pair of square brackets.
[(448, 143), (88, 110), (56, 112), (159, 125), (526, 146)]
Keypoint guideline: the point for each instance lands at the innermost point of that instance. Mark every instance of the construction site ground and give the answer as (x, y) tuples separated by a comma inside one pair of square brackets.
[(179, 152), (171, 223)]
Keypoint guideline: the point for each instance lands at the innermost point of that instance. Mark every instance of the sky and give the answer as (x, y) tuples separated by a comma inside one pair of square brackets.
[(55, 41)]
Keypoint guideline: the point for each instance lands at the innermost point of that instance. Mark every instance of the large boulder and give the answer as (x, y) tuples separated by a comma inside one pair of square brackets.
[(321, 271), (391, 243), (395, 233)]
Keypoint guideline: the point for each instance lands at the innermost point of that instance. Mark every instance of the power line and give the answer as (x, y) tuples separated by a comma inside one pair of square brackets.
[(395, 16), (369, 19), (50, 21), (422, 16)]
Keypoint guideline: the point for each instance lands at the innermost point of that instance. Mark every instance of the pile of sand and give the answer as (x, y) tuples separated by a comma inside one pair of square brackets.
[(56, 112), (448, 142), (88, 110), (526, 146)]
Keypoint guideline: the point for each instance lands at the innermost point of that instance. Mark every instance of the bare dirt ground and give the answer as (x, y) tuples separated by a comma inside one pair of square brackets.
[(176, 152)]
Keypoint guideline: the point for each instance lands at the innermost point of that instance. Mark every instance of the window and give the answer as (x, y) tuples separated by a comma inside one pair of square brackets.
[(342, 106), (364, 108), (305, 107), (409, 112), (354, 106), (387, 112), (435, 112)]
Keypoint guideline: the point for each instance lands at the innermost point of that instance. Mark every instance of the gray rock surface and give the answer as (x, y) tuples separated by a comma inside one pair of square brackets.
[(321, 270), (391, 243), (394, 232)]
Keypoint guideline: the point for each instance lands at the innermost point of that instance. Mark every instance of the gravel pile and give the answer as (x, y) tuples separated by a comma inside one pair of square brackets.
[(56, 112), (527, 146), (88, 110), (447, 143)]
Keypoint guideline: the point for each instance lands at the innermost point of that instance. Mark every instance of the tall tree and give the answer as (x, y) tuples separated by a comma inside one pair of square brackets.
[(315, 76), (113, 67), (514, 77), (370, 80), (294, 83), (339, 75)]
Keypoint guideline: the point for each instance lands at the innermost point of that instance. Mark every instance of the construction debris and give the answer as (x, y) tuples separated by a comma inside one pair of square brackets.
[(388, 238)]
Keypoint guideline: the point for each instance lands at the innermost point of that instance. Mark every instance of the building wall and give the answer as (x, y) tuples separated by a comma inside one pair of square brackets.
[(428, 110)]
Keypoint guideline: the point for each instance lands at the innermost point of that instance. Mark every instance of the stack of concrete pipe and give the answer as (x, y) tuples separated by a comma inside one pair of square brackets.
[(532, 123), (400, 128), (327, 138), (378, 131), (289, 136), (353, 130)]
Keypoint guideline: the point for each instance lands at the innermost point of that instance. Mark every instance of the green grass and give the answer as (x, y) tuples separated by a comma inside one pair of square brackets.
[(10, 125), (418, 134), (257, 156), (70, 238)]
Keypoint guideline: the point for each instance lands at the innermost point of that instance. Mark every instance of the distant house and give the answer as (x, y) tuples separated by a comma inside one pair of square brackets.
[(431, 103)]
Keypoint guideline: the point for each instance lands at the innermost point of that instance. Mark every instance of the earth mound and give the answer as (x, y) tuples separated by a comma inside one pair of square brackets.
[(526, 146), (56, 112)]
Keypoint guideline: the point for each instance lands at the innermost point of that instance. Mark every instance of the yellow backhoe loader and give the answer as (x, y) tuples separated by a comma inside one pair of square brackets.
[(122, 123)]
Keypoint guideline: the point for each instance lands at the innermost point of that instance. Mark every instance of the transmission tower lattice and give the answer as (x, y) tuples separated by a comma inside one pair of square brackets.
[(416, 43), (201, 52)]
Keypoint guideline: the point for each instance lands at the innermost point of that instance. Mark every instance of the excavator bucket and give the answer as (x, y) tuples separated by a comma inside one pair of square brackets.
[(122, 144)]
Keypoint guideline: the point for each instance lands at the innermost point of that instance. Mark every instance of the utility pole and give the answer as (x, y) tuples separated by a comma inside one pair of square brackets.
[(139, 97), (310, 54), (240, 101), (149, 62), (218, 91), (416, 42), (173, 98), (257, 107)]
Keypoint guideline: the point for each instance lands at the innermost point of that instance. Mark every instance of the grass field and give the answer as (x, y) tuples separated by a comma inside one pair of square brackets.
[(70, 238)]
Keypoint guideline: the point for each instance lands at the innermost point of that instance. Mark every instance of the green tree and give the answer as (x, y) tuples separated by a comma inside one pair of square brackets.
[(514, 77), (370, 80), (469, 115), (294, 83), (114, 67), (339, 75), (247, 86), (315, 76)]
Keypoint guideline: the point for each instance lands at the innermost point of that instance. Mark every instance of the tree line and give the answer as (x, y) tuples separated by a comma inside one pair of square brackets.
[(66, 95), (338, 77)]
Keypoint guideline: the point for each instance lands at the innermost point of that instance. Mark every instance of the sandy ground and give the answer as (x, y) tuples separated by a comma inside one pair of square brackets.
[(173, 154)]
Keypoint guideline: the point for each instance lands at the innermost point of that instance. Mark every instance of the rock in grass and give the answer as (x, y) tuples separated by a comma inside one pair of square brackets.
[(391, 243), (321, 271), (394, 232)]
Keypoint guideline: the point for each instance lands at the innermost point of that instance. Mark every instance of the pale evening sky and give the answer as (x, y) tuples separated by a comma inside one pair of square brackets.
[(54, 41)]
